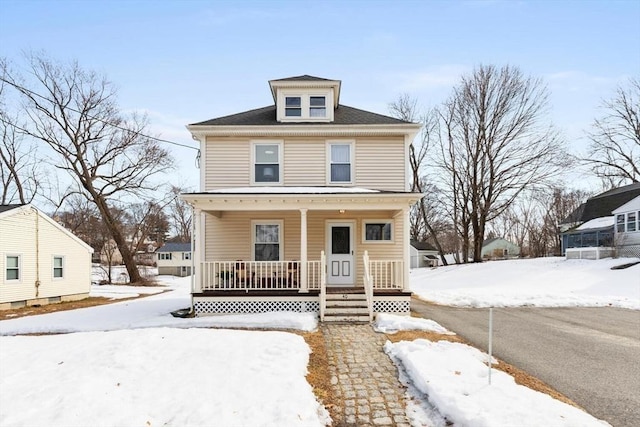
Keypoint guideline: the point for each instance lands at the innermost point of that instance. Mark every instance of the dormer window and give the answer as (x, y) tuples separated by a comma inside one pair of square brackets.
[(293, 106), (317, 106)]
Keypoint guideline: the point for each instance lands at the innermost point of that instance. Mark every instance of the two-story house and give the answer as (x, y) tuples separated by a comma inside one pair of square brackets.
[(304, 206)]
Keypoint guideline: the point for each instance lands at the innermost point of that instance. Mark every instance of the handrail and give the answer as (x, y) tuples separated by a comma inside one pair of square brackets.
[(323, 285), (368, 285)]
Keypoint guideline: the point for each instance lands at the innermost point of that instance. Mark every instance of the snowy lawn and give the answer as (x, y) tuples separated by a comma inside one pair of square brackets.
[(451, 379), (157, 377), (540, 282)]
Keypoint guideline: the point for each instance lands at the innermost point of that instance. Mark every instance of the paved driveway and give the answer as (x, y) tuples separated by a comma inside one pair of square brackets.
[(591, 355)]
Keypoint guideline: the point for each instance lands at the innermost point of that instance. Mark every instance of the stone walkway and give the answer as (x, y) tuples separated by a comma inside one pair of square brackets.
[(363, 378)]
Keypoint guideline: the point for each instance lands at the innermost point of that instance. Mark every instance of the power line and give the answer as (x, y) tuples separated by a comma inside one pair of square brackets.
[(24, 89)]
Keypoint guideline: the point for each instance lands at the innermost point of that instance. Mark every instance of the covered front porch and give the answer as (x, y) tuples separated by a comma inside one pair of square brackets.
[(274, 252)]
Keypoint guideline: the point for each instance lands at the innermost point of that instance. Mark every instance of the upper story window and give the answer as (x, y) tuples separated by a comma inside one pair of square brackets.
[(340, 163), (620, 223), (186, 255), (267, 160), (317, 106), (293, 106), (631, 221), (164, 256)]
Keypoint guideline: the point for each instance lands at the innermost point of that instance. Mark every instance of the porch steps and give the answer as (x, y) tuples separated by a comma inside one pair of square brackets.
[(346, 308)]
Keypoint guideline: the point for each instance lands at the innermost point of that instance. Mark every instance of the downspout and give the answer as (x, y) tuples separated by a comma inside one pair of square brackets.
[(37, 284)]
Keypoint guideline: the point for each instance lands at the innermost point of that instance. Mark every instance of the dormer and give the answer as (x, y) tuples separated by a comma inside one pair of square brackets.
[(305, 99)]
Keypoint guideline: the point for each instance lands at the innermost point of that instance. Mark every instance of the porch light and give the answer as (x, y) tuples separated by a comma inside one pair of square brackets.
[(341, 211)]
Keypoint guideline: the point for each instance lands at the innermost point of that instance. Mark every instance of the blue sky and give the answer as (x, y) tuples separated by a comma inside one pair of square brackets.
[(187, 61)]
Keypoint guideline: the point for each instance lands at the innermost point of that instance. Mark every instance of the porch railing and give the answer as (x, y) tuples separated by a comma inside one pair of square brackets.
[(368, 284), (258, 275), (386, 274)]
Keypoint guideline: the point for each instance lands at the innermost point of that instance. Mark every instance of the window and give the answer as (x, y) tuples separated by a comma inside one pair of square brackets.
[(293, 106), (317, 106), (267, 163), (186, 255), (164, 256), (340, 163), (58, 267), (267, 240), (631, 221), (620, 223), (13, 267), (378, 231)]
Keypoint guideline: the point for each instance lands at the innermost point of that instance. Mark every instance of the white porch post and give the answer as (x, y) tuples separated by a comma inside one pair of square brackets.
[(406, 254), (304, 286), (197, 246)]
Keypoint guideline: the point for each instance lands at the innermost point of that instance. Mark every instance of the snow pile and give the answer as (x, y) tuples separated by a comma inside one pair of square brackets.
[(154, 377), (123, 291), (454, 378), (150, 312), (392, 323), (540, 282)]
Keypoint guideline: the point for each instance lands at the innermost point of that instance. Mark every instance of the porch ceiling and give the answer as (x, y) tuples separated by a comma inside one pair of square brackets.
[(222, 201)]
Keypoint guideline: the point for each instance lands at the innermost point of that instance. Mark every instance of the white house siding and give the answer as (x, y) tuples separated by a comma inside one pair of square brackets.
[(497, 247), (174, 266), (228, 238), (37, 240), (226, 163), (628, 242), (379, 162)]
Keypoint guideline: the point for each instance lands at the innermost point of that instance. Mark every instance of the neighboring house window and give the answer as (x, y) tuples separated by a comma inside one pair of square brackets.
[(620, 223), (186, 255), (340, 163), (58, 267), (378, 231), (164, 256), (267, 244), (267, 163), (317, 106), (631, 221), (293, 106), (13, 267)]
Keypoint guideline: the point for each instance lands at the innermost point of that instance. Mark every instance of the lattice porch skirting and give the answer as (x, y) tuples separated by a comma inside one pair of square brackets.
[(228, 305)]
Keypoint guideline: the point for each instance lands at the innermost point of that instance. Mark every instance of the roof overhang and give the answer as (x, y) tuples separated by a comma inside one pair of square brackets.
[(218, 201), (200, 132)]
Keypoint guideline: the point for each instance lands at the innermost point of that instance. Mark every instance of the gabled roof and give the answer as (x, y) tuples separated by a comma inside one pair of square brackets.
[(5, 208), (304, 78), (422, 246), (605, 203), (266, 116), (175, 247), (631, 205), (495, 239)]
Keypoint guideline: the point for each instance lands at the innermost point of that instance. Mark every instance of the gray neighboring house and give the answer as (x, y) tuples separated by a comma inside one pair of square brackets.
[(423, 255), (627, 228), (174, 259), (589, 231), (499, 248)]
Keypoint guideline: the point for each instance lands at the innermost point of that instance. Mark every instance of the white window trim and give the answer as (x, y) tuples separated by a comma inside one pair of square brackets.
[(280, 144), (627, 222), (351, 143), (20, 271), (623, 223), (278, 222), (162, 256), (53, 267), (186, 256), (305, 104), (377, 221)]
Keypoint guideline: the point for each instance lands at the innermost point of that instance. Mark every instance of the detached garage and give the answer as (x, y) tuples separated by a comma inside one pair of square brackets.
[(41, 262)]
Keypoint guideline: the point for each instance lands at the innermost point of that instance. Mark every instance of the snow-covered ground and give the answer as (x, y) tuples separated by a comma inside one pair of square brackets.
[(132, 363), (540, 282)]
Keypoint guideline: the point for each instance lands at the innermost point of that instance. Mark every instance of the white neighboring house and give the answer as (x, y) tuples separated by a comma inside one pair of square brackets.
[(41, 262), (627, 228), (423, 255), (174, 259), (499, 248)]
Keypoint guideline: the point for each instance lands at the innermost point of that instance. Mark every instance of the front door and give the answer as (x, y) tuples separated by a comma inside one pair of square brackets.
[(340, 258)]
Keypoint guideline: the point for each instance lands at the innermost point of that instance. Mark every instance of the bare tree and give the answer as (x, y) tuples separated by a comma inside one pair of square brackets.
[(18, 176), (180, 213), (405, 108), (75, 112), (497, 145), (614, 153)]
